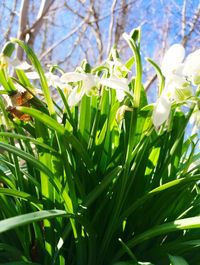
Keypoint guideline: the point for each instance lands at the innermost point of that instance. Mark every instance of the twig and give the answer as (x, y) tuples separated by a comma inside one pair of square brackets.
[(71, 33), (112, 12)]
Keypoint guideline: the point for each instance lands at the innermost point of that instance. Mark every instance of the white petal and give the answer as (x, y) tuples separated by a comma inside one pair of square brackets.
[(19, 88), (52, 77), (192, 66), (20, 65), (116, 83), (75, 96), (161, 111), (120, 95), (65, 87), (32, 75), (73, 77), (172, 59), (89, 83)]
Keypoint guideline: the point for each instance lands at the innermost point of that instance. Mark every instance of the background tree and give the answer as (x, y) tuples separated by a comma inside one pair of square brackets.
[(65, 32)]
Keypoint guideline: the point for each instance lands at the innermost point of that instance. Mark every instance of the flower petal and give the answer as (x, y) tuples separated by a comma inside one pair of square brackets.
[(32, 75), (161, 111), (119, 84), (73, 77), (90, 84), (20, 65), (75, 96), (172, 59), (192, 66), (120, 95)]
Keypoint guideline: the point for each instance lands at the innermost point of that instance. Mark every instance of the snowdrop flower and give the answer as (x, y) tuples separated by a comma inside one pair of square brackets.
[(192, 67), (172, 60), (161, 111), (177, 88), (5, 62), (88, 86), (118, 68), (119, 84), (52, 80)]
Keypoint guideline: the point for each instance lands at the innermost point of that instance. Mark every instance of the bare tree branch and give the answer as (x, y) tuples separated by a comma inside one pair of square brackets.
[(71, 33), (23, 18), (12, 16), (192, 26), (112, 12), (97, 31), (183, 22), (33, 30), (121, 20)]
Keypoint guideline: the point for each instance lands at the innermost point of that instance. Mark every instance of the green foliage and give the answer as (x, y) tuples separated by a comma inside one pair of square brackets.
[(130, 192)]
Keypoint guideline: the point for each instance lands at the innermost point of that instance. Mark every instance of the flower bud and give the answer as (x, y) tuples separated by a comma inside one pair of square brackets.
[(121, 111)]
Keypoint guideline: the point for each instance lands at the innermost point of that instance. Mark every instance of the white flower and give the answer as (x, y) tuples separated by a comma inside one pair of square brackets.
[(192, 67), (52, 80), (177, 88), (88, 86), (119, 84), (5, 62), (172, 59), (118, 68), (161, 110)]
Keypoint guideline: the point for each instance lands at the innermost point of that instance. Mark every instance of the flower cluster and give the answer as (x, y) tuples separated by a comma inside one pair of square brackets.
[(181, 80), (78, 84)]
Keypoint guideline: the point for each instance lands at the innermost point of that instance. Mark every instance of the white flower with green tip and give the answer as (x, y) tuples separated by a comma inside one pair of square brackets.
[(177, 88), (118, 68), (192, 67), (88, 86), (52, 80), (5, 62)]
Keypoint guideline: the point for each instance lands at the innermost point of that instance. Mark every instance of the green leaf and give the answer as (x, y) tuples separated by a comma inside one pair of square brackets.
[(21, 195), (159, 74), (24, 219), (182, 224), (8, 49), (20, 263), (26, 138), (176, 260), (51, 123), (44, 118), (101, 187), (34, 60), (41, 167)]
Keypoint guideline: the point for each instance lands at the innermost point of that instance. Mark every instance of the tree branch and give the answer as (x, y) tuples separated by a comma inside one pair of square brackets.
[(112, 12)]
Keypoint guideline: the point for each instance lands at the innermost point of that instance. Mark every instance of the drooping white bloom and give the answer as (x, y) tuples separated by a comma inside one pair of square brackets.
[(161, 111), (88, 86), (117, 68), (5, 62), (119, 84), (52, 80), (192, 67), (177, 88), (172, 59)]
